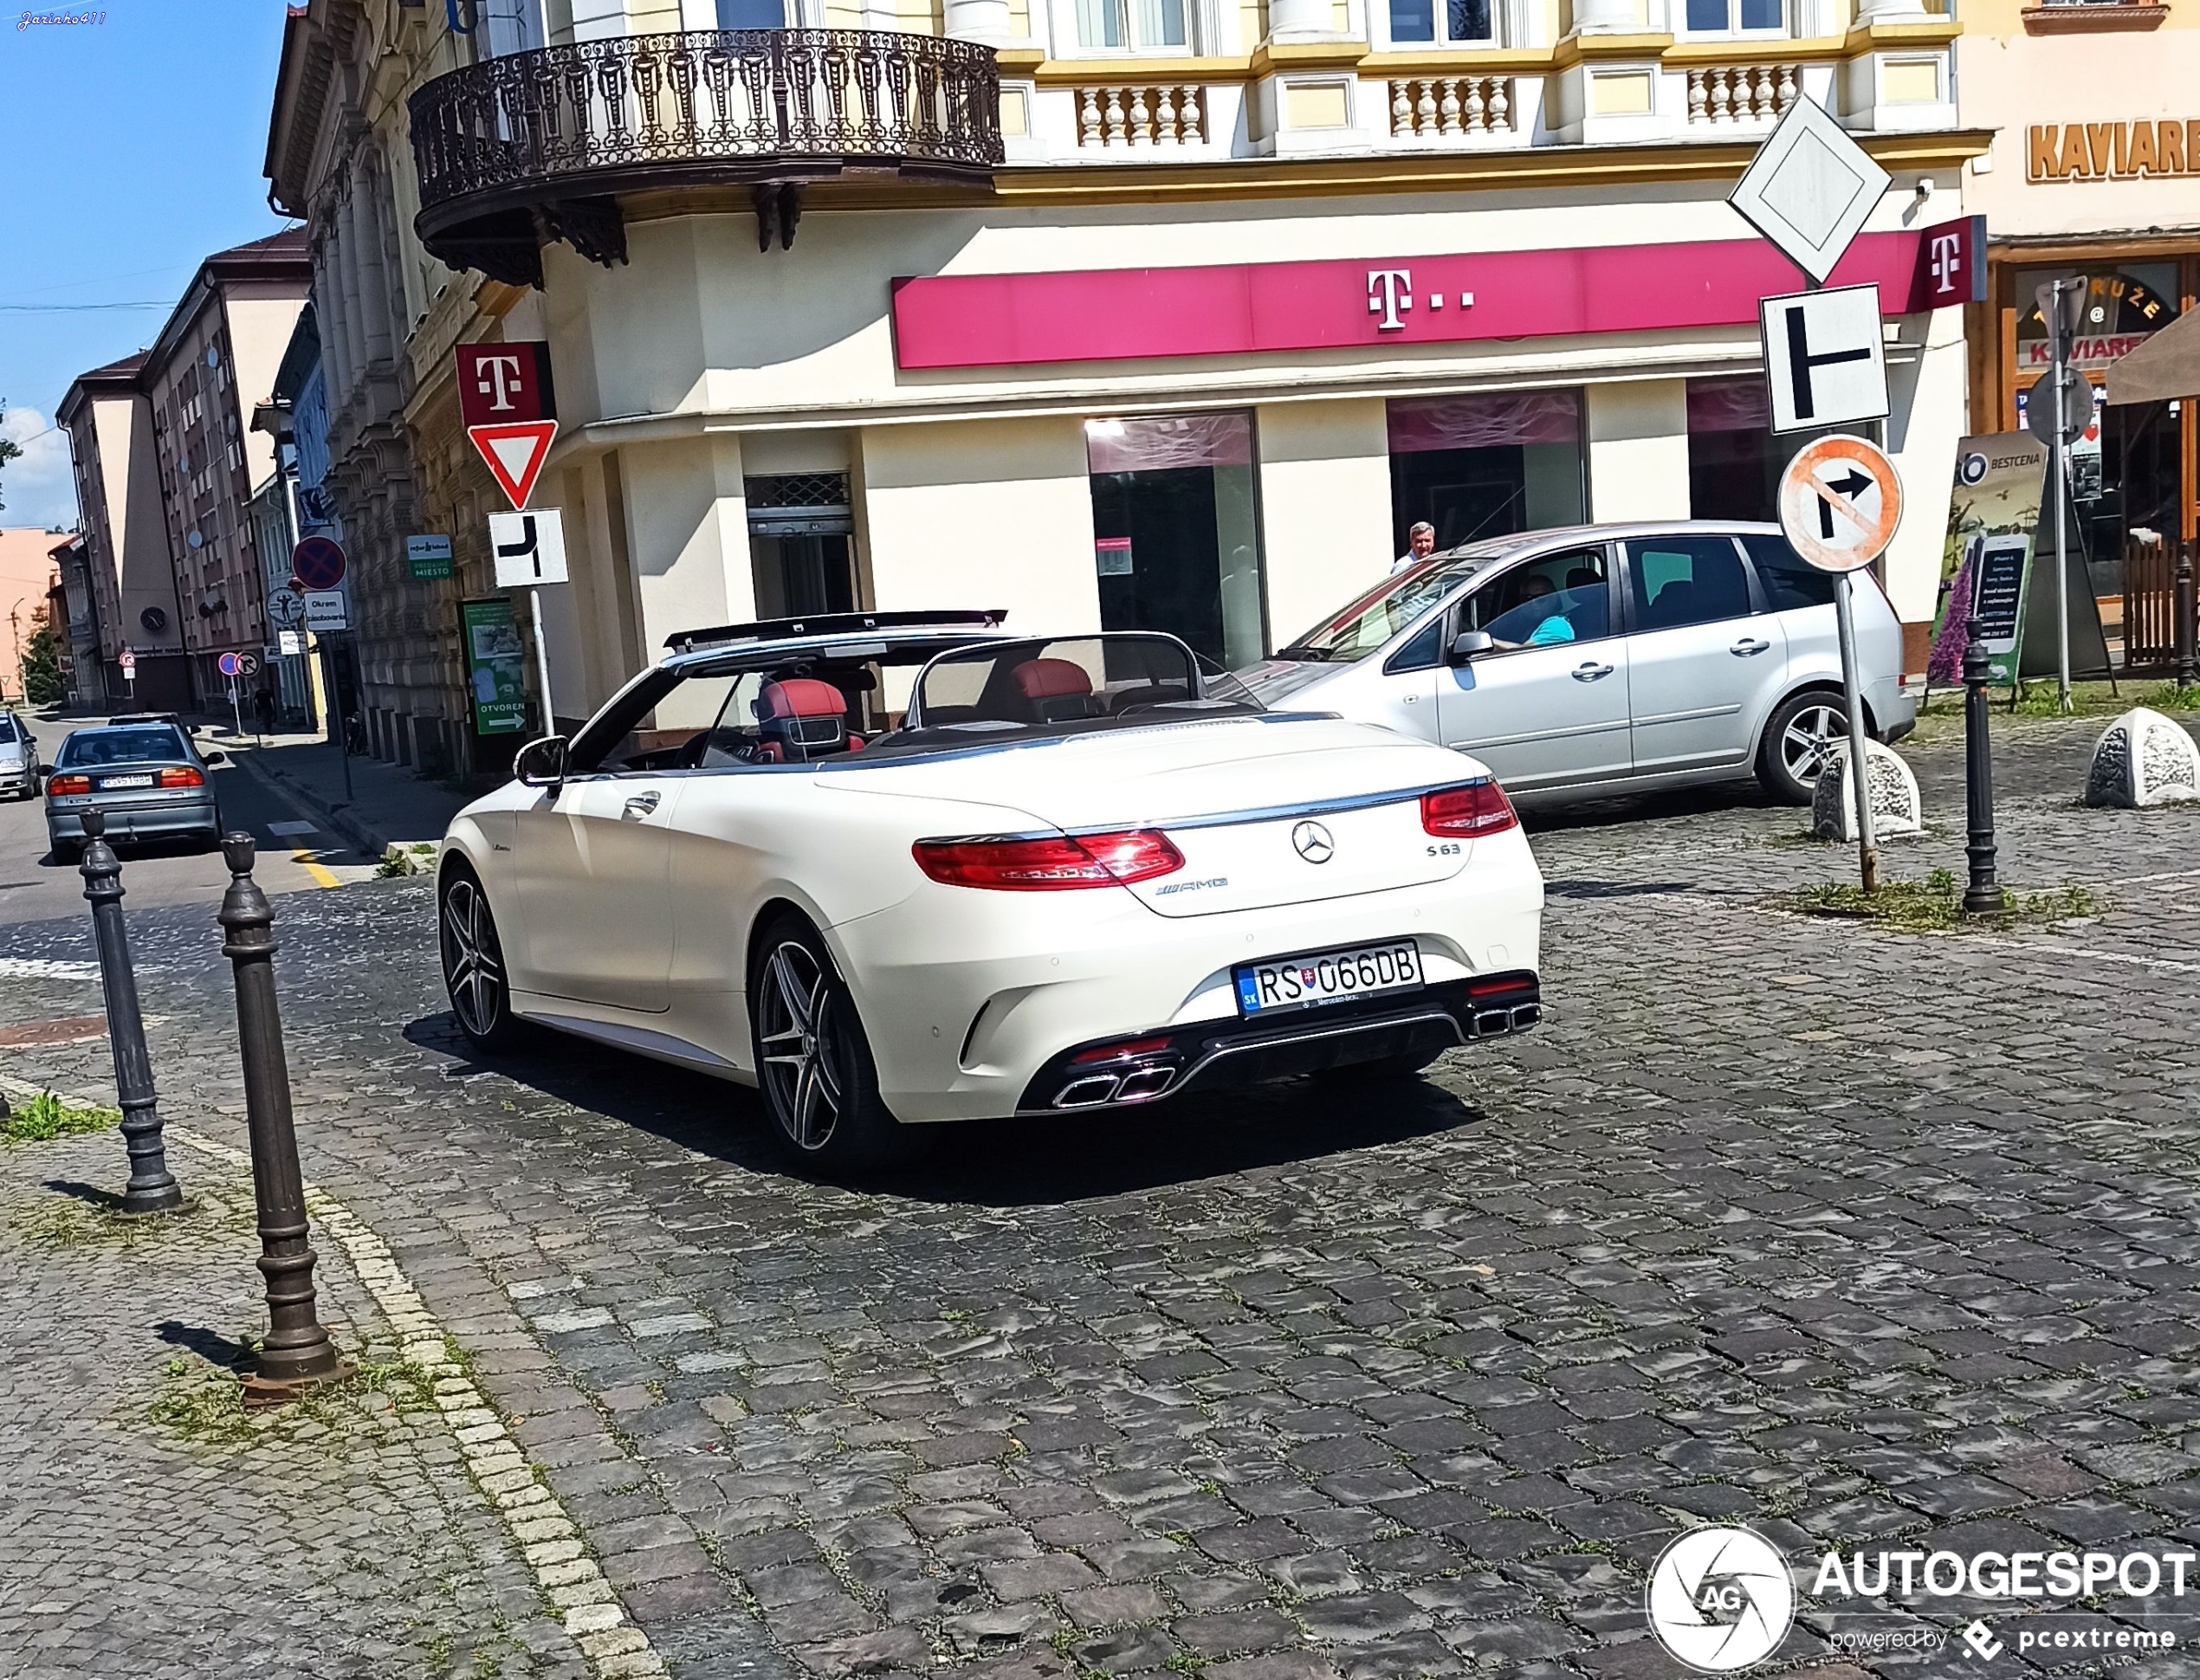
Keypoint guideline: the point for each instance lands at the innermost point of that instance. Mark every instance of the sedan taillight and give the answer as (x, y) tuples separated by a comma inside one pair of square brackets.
[(1057, 864), (181, 776), (65, 784), (1477, 808)]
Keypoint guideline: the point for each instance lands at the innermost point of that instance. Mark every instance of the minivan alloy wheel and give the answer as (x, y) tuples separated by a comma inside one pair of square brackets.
[(1809, 737)]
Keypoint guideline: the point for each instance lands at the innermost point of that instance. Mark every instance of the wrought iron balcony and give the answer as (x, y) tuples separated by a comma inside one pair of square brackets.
[(540, 145)]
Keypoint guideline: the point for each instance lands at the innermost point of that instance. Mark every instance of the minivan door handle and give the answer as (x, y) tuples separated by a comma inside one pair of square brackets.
[(1590, 673), (1748, 645)]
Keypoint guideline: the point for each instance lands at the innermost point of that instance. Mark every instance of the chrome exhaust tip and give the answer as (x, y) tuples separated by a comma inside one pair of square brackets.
[(1489, 1022), (1526, 1016), (1087, 1093), (1145, 1082)]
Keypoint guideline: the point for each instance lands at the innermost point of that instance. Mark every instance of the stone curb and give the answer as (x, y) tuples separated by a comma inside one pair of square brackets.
[(547, 1539), (363, 838)]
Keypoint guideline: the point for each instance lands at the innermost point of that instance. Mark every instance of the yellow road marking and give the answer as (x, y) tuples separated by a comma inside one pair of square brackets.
[(321, 874)]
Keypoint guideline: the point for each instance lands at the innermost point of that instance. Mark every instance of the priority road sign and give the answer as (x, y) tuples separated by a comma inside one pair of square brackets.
[(1824, 361), (530, 548), (1809, 188), (1840, 501)]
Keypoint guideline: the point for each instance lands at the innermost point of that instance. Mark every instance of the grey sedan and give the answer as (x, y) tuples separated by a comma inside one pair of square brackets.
[(18, 757), (147, 779)]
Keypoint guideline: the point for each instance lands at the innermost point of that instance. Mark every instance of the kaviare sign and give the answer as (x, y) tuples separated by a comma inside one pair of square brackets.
[(2111, 151)]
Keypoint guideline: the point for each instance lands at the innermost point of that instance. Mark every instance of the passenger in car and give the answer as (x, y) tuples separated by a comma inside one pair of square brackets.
[(1554, 626)]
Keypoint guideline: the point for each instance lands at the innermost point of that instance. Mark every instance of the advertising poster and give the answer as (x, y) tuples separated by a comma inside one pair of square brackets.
[(496, 666), (1985, 562)]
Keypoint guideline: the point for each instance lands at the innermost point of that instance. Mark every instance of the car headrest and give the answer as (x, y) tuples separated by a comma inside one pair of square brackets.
[(801, 697), (1047, 679), (1583, 576)]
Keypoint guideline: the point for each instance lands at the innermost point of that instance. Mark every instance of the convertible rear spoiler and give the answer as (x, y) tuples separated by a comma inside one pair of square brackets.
[(834, 623)]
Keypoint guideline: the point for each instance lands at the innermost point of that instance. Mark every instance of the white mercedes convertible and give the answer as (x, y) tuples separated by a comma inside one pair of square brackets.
[(903, 867)]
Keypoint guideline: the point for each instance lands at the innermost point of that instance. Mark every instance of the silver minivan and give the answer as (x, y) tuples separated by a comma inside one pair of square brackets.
[(1606, 659)]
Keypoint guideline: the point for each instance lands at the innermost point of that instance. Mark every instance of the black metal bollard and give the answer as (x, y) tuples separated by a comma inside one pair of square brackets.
[(297, 1354), (152, 1188), (1983, 895), (2188, 631)]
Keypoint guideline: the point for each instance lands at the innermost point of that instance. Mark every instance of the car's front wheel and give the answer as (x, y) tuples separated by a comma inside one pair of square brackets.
[(814, 1063), (1803, 731), (473, 959)]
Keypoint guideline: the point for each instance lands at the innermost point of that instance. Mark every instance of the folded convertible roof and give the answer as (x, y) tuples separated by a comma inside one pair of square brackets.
[(834, 623)]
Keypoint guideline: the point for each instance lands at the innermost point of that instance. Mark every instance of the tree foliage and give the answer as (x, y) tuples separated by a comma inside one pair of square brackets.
[(9, 451), (42, 684)]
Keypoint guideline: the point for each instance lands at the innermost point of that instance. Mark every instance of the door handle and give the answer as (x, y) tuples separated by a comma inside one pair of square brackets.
[(640, 804), (1748, 645), (1590, 673)]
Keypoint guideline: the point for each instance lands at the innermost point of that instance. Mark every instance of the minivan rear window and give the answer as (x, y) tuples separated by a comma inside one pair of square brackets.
[(1789, 580)]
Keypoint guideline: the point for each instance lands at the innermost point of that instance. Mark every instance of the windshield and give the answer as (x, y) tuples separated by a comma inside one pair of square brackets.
[(1065, 685), (154, 744), (1371, 622), (8, 736)]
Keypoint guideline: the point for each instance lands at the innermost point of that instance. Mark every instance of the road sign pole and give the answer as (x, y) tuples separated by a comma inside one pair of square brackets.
[(236, 713), (2059, 337), (543, 661), (1860, 778)]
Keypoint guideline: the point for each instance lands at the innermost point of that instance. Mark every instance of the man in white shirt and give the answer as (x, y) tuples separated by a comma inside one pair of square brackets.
[(1421, 543)]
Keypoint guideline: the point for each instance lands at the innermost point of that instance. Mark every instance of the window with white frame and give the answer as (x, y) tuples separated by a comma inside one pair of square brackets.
[(1133, 25), (751, 14), (1736, 17), (1464, 22)]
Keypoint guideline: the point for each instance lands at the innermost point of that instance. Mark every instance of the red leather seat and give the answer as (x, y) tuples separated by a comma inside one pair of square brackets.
[(1054, 689), (802, 718)]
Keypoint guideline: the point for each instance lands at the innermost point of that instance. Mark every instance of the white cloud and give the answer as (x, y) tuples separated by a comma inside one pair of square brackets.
[(39, 488)]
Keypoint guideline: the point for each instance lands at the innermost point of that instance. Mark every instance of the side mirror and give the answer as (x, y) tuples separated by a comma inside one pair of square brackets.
[(218, 758), (45, 770), (1468, 644), (541, 762)]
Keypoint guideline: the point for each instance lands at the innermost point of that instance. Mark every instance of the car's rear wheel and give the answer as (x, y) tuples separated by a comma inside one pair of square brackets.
[(1804, 729), (814, 1063), (473, 959)]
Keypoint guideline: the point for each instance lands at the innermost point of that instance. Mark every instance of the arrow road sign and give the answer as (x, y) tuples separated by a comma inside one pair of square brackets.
[(1823, 358), (530, 548), (1840, 501), (1810, 188), (515, 452)]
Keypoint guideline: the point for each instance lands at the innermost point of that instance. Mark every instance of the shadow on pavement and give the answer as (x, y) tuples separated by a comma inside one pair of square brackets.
[(105, 1200), (1019, 1163), (212, 1346)]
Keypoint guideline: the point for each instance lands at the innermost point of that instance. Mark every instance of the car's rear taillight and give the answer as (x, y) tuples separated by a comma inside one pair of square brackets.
[(1053, 865), (68, 784), (1475, 808), (180, 776)]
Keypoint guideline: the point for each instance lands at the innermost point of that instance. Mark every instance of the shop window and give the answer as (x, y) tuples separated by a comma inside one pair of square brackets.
[(800, 543), (1734, 461), (1486, 465), (1465, 22), (1177, 535), (1734, 16), (1130, 25)]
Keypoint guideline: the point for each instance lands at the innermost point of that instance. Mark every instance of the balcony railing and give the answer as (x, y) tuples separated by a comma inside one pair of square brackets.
[(557, 133)]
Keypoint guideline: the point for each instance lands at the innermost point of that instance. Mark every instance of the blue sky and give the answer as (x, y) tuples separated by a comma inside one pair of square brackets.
[(135, 150)]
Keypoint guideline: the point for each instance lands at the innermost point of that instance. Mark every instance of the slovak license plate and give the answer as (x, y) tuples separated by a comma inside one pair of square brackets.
[(126, 781), (1328, 977)]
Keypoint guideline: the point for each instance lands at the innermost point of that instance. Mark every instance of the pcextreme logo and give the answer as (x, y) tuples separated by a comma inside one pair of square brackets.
[(1721, 1598)]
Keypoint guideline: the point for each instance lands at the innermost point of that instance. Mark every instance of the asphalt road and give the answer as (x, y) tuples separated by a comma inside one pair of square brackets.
[(34, 885)]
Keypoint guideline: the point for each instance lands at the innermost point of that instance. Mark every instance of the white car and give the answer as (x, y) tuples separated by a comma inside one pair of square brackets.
[(1074, 874)]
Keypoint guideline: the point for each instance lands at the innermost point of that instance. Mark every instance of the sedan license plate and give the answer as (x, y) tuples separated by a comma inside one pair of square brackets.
[(1328, 977), (126, 781)]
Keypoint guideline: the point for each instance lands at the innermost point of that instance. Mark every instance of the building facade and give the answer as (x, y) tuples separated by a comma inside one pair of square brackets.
[(132, 577), (27, 562), (1171, 316), (80, 614), (2095, 173), (213, 362)]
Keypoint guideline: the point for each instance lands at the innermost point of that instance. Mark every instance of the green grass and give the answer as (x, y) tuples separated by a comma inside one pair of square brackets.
[(1934, 905), (46, 1117), (2170, 698)]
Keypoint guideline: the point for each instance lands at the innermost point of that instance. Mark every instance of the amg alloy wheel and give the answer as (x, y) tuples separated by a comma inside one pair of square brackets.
[(1797, 741), (473, 962), (814, 1063)]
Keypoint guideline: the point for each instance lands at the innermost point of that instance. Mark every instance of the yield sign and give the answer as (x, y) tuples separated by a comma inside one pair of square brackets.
[(1840, 501), (515, 451)]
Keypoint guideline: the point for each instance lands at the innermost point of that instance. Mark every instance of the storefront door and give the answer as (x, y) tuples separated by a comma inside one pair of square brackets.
[(1176, 533), (1486, 464)]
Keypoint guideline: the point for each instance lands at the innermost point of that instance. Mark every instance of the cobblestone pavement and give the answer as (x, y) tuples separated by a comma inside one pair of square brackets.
[(1846, 1235), (152, 1527)]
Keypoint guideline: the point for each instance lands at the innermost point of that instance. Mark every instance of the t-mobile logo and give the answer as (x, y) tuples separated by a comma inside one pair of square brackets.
[(1389, 292), (499, 378), (1947, 262)]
